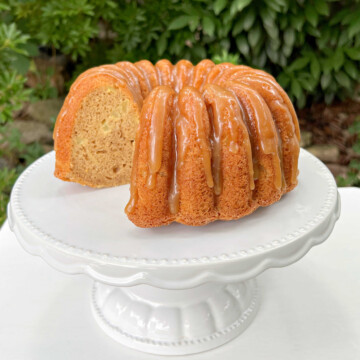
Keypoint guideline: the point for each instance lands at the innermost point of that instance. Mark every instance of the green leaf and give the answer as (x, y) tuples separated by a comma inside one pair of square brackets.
[(326, 65), (287, 50), (351, 69), (353, 53), (311, 15), (31, 49), (296, 88), (301, 101), (297, 21), (249, 19), (299, 63), (237, 29), (179, 22), (272, 30), (273, 5), (343, 79), (289, 37), (338, 17), (312, 31), (209, 26), (219, 6), (343, 39), (315, 68), (161, 44), (254, 36), (354, 28), (283, 79), (4, 7), (242, 45), (238, 5), (306, 84), (322, 7), (338, 59), (199, 52), (272, 54), (21, 64), (325, 80), (193, 22)]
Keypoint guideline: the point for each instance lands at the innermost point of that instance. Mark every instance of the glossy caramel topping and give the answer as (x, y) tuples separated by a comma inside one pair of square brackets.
[(174, 187), (261, 124), (161, 111), (228, 97), (165, 72), (155, 111), (182, 74), (225, 113), (149, 73), (277, 104), (216, 72), (131, 78), (144, 83), (111, 71), (201, 71), (192, 108), (264, 77)]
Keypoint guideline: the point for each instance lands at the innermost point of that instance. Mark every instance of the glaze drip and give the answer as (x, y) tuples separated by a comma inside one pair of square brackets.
[(224, 112), (194, 111), (234, 100), (161, 110)]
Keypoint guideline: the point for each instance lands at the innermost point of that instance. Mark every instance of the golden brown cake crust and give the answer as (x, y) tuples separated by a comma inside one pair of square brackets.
[(213, 141)]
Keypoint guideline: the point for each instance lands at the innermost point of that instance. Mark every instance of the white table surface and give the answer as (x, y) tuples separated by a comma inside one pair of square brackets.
[(310, 310)]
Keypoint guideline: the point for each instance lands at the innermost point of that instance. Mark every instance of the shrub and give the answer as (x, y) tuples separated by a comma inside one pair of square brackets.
[(352, 178), (12, 53), (312, 47)]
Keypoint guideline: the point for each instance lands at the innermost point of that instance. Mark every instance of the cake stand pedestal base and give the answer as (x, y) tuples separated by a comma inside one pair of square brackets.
[(174, 322)]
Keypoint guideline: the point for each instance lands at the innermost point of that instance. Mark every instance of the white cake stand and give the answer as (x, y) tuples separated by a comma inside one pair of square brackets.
[(171, 290)]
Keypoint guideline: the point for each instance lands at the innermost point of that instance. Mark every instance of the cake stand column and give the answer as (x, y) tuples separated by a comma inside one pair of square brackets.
[(175, 322)]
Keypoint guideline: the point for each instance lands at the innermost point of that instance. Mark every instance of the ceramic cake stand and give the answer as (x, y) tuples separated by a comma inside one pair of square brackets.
[(176, 289)]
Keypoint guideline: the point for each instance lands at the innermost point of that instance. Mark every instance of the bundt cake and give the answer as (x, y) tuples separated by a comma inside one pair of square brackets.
[(197, 143)]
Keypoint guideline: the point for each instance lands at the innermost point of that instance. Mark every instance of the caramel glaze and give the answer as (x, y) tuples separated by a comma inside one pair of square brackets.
[(225, 135), (152, 160), (182, 74), (194, 179), (217, 72), (231, 154), (201, 71), (248, 72), (132, 69), (149, 72), (285, 125), (283, 115), (164, 69), (111, 71), (262, 130)]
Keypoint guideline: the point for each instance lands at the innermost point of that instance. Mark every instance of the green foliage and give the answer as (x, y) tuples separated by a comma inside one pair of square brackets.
[(12, 149), (12, 54), (12, 94), (226, 57), (353, 176), (44, 89), (7, 180), (312, 47)]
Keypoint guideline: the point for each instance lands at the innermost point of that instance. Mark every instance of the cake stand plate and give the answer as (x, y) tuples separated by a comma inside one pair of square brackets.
[(176, 289)]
